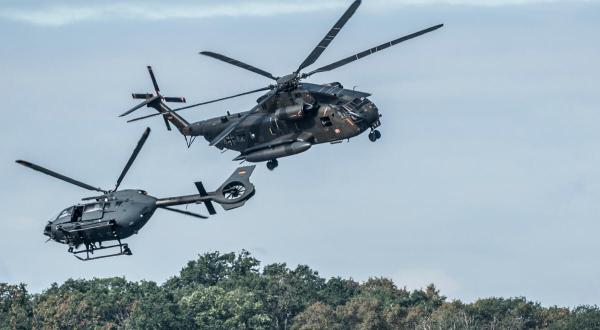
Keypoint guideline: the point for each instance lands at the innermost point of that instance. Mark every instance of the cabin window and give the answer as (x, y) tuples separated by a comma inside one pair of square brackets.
[(93, 211), (92, 207), (326, 121)]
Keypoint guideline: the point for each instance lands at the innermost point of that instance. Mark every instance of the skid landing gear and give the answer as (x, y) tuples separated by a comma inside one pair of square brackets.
[(272, 164), (374, 135), (90, 248)]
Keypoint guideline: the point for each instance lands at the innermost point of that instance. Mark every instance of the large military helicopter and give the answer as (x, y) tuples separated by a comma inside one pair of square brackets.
[(118, 214), (291, 117)]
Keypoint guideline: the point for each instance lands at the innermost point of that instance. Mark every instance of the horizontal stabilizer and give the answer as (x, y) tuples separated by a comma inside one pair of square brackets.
[(209, 205)]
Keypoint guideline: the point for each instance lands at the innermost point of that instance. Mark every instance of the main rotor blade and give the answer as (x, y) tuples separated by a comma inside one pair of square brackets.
[(203, 103), (238, 64), (225, 98), (234, 125), (373, 50), (136, 151), (58, 176), (148, 101), (153, 79), (314, 55), (184, 212)]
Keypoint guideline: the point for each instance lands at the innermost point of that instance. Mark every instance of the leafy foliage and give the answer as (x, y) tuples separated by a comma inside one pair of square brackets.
[(232, 291)]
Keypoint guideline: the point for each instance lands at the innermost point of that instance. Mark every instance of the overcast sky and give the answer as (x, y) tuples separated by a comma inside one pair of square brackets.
[(486, 180)]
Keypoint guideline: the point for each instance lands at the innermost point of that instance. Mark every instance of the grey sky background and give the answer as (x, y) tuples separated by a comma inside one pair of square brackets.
[(486, 181)]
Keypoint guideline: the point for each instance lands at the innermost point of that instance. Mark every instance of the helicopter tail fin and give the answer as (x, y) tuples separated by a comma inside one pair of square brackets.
[(237, 189), (233, 193)]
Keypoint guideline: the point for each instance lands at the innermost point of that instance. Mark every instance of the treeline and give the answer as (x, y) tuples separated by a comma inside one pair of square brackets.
[(232, 291)]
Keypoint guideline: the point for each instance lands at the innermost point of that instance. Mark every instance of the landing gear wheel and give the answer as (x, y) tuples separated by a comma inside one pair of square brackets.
[(372, 137), (377, 134), (272, 164)]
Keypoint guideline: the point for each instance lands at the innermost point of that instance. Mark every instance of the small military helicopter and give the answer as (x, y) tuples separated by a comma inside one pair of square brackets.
[(291, 117), (118, 214)]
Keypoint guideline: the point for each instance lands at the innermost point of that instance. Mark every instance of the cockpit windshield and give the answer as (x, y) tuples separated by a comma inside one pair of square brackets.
[(66, 213)]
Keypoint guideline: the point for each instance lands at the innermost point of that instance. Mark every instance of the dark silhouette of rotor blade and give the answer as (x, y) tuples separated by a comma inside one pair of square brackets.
[(196, 215), (144, 117), (153, 79), (166, 122), (148, 101), (239, 64), (58, 176), (234, 125), (314, 55), (203, 103), (136, 151), (174, 99), (373, 50), (142, 96), (225, 98)]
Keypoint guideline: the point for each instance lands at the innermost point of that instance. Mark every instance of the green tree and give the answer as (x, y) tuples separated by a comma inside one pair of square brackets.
[(507, 313), (230, 291), (288, 292), (315, 317), (337, 291), (362, 312), (97, 303), (155, 308), (581, 317), (16, 308), (215, 308)]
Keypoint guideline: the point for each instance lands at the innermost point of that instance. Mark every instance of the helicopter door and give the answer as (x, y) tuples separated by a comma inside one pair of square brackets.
[(93, 211), (274, 128)]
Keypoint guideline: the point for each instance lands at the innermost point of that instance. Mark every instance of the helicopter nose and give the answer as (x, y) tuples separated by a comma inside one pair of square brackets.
[(372, 114), (48, 230)]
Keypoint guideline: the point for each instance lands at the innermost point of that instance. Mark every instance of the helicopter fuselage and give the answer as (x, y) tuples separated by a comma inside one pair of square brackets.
[(294, 121), (292, 116), (114, 216)]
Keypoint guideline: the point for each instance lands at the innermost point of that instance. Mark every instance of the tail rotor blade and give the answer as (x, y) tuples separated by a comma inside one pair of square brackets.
[(153, 79), (136, 151), (191, 214), (142, 96), (167, 122), (148, 101), (174, 99)]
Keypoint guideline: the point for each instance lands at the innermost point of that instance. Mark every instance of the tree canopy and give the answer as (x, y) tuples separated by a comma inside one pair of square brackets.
[(233, 291)]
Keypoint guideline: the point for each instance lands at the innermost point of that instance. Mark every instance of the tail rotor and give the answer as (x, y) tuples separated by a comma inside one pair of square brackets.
[(154, 100)]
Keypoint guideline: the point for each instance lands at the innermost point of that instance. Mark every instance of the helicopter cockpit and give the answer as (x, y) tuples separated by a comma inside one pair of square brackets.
[(84, 212), (64, 215)]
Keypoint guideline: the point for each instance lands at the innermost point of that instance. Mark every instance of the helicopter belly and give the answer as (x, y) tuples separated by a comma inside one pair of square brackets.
[(278, 151)]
